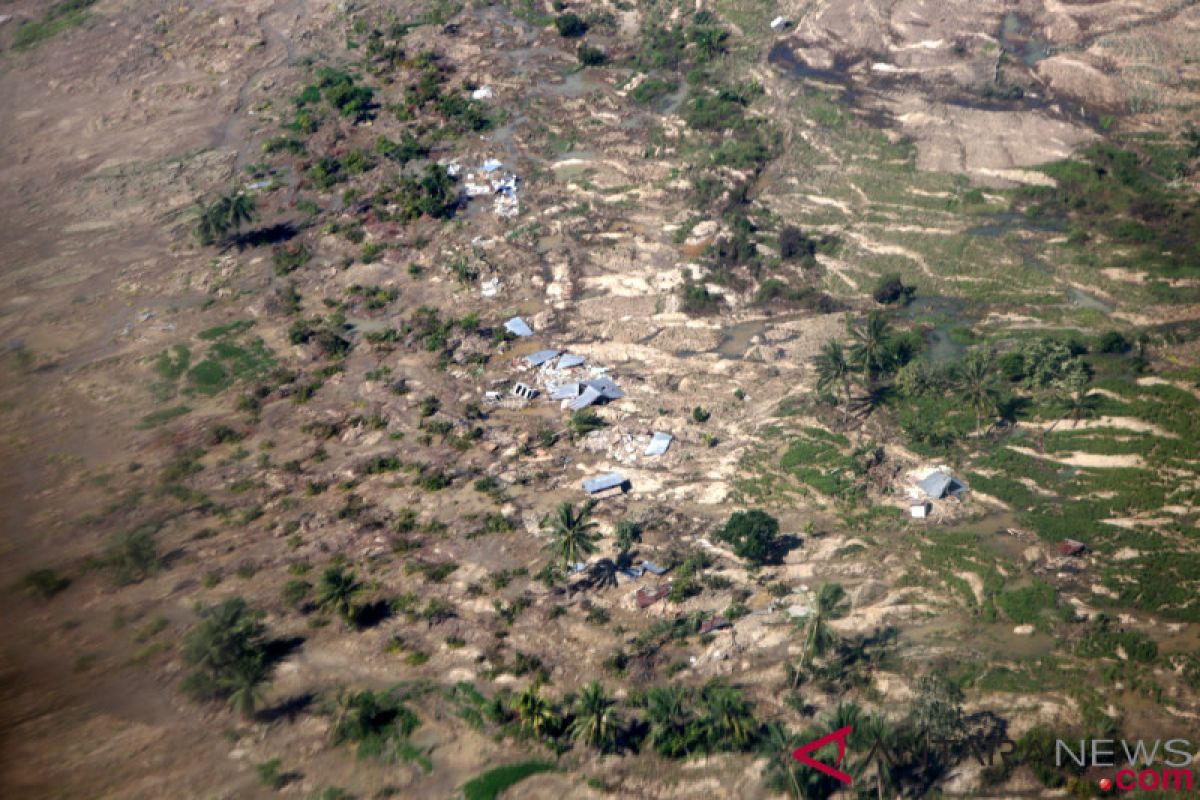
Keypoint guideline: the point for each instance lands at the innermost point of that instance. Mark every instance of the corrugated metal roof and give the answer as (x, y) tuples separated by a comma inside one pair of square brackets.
[(518, 327), (541, 357), (566, 392), (590, 395), (659, 444), (606, 387), (939, 484), (568, 360), (653, 568), (603, 482)]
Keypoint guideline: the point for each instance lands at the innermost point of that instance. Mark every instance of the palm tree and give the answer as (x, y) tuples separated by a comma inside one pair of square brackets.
[(728, 721), (818, 638), (245, 688), (1076, 404), (833, 369), (572, 534), (778, 744), (871, 351), (336, 592), (597, 721), (879, 737), (977, 382), (670, 720), (534, 712), (228, 212)]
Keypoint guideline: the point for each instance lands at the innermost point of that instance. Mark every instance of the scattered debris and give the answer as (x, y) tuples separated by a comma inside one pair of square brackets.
[(1071, 547), (647, 597), (523, 391), (482, 93), (653, 569), (491, 165), (606, 485), (577, 568), (715, 624), (262, 184), (491, 288), (492, 397), (659, 444), (518, 327), (780, 23)]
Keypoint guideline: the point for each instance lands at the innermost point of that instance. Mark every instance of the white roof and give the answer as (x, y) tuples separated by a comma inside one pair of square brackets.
[(659, 444)]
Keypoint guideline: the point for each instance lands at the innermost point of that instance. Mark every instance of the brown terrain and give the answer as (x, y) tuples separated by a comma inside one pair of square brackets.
[(113, 129)]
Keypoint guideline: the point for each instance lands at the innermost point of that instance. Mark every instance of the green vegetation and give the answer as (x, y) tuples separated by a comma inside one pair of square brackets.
[(228, 654), (59, 17), (572, 534), (753, 535), (491, 784)]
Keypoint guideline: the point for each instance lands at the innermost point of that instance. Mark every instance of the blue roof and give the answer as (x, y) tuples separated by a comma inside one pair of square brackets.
[(541, 357), (518, 327), (566, 391), (569, 360), (607, 388), (604, 482), (491, 165), (659, 444), (590, 395), (651, 567), (939, 484)]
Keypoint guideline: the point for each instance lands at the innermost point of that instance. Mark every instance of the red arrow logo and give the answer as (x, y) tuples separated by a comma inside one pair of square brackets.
[(801, 754)]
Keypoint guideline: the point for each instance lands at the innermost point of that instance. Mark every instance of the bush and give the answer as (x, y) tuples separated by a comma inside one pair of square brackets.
[(891, 289), (652, 89), (591, 56), (696, 299), (570, 25), (43, 583), (1114, 342), (132, 556), (752, 533)]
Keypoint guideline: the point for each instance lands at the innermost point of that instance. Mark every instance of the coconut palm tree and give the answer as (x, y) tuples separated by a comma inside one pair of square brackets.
[(976, 380), (778, 744), (1075, 403), (877, 734), (728, 721), (245, 688), (572, 534), (818, 638), (833, 369), (336, 593), (670, 720), (597, 720), (534, 712), (226, 213), (870, 350)]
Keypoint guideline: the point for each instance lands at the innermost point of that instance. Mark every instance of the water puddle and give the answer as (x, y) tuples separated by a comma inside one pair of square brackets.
[(1082, 299), (943, 315)]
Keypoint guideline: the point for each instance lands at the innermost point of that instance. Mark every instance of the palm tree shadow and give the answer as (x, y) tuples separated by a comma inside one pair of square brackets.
[(290, 708), (279, 649), (372, 614), (269, 235)]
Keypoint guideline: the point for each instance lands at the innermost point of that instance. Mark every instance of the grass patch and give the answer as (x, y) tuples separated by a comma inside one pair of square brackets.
[(59, 17), (490, 784), (154, 419)]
